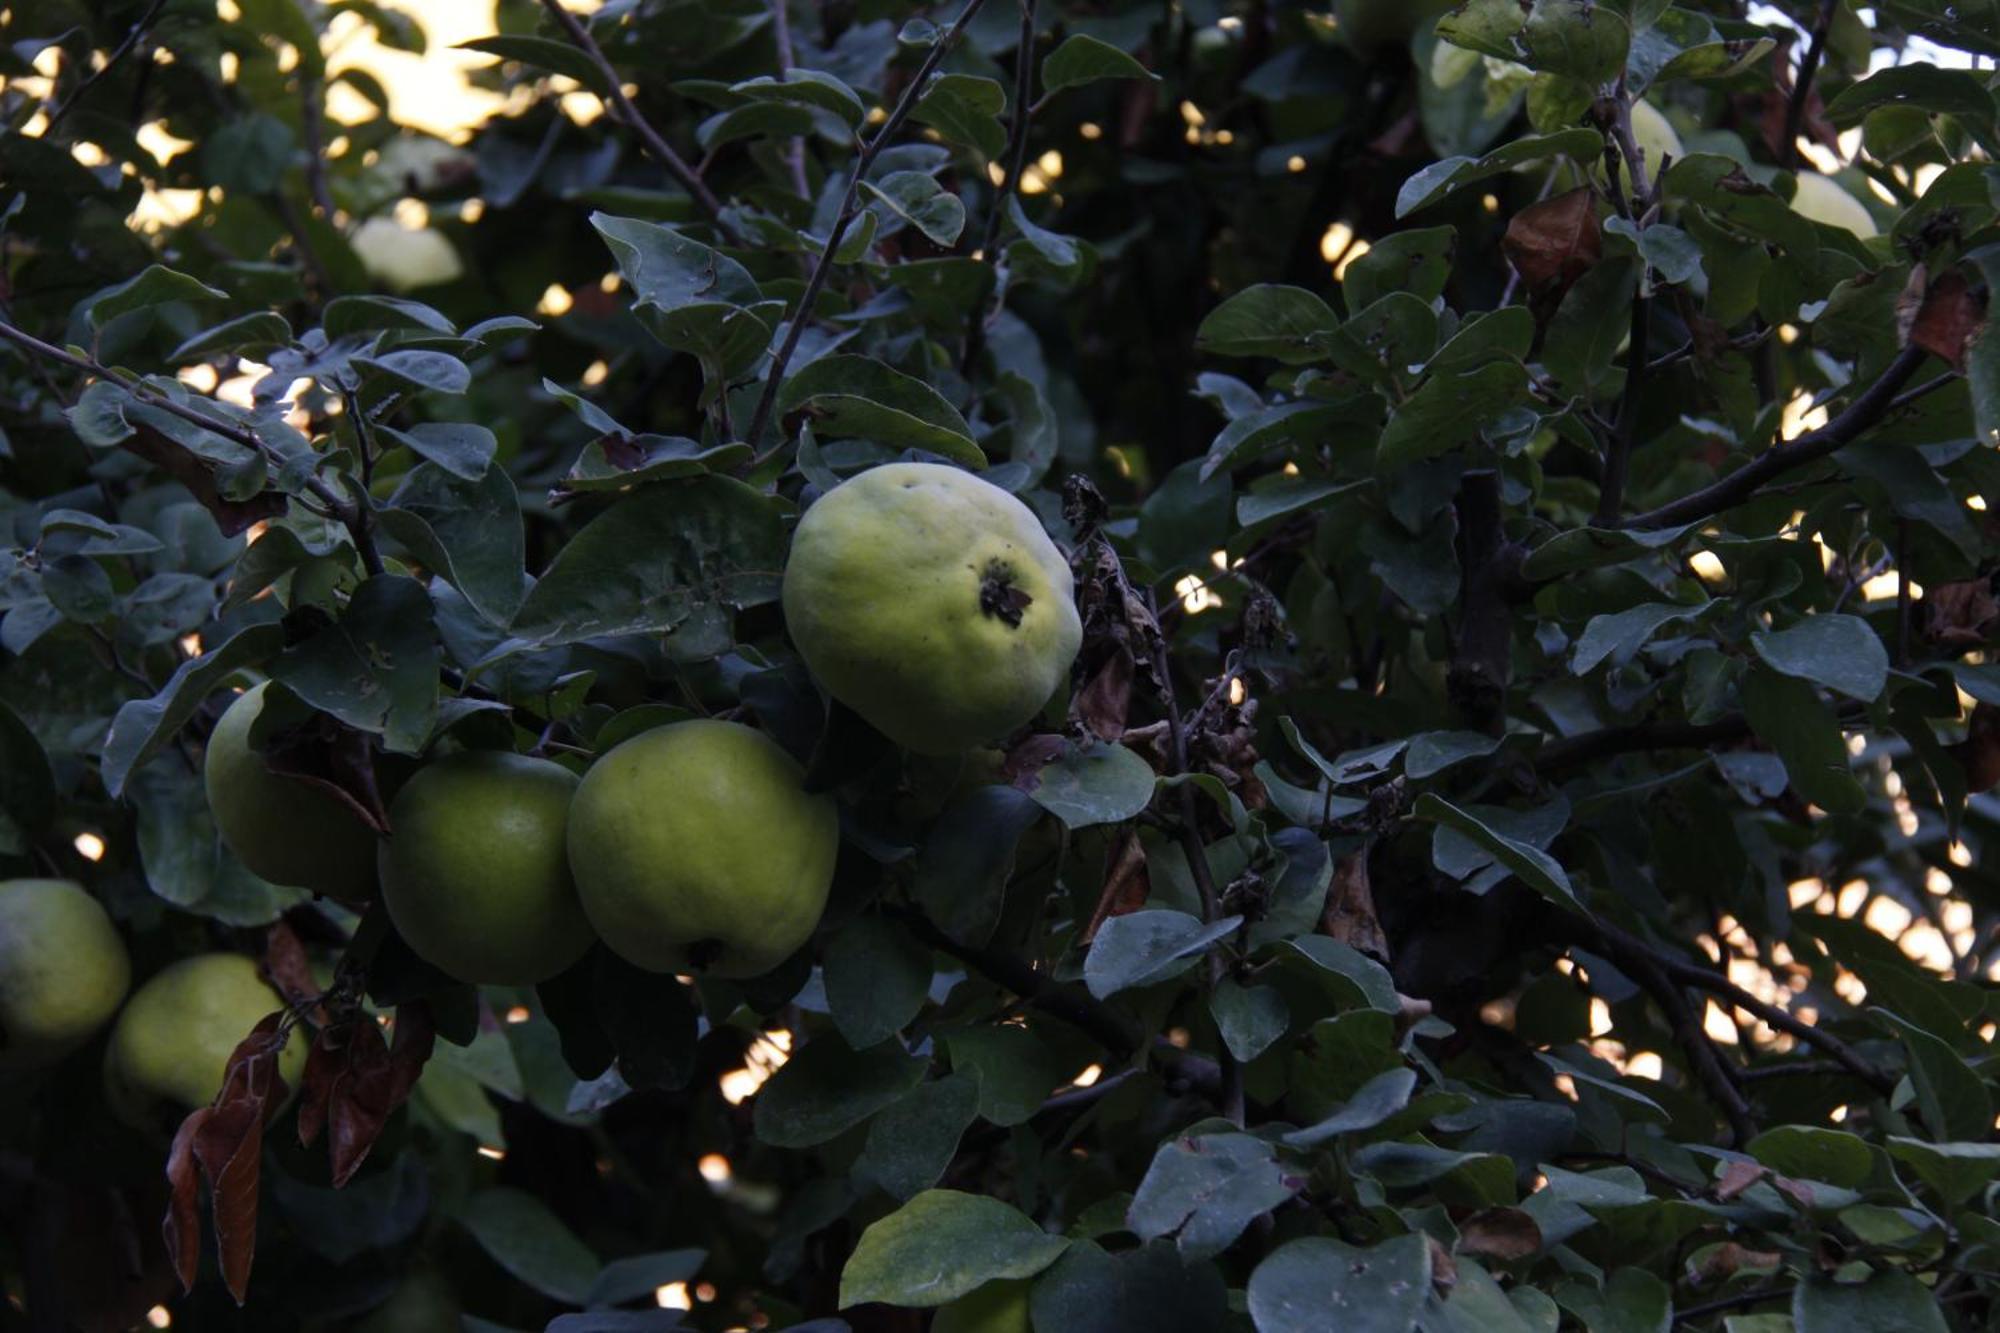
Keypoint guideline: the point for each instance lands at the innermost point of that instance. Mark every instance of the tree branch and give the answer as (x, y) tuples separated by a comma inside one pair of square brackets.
[(1720, 1079), (350, 513), (1187, 833), (312, 98), (1802, 82), (850, 208), (1739, 486), (1080, 1009), (133, 36), (1782, 1019), (1010, 183), (794, 149), (622, 109)]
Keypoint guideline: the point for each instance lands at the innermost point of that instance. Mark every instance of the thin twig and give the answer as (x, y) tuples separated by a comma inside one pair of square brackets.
[(1010, 183), (1076, 1007), (794, 147), (1782, 1019), (1870, 407), (850, 208), (1755, 1296), (133, 36), (1795, 109), (623, 110), (1718, 1078), (1188, 834), (350, 513), (312, 100)]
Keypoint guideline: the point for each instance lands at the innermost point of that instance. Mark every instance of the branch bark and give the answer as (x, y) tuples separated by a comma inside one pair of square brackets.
[(1017, 162), (850, 208), (622, 108), (133, 36), (351, 513), (1739, 486), (1795, 108)]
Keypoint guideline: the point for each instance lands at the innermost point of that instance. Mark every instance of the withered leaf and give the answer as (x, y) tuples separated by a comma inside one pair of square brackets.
[(1979, 753), (1126, 883), (1505, 1234), (1554, 242), (1951, 312), (1350, 909), (1960, 615), (182, 1226)]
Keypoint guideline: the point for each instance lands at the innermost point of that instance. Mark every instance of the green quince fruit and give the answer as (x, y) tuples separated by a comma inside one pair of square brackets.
[(697, 848), (63, 970), (283, 830), (1823, 200), (932, 604), (475, 870), (1000, 1306), (172, 1043)]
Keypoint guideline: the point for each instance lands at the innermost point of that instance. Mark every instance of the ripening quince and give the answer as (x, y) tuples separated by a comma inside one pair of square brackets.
[(475, 870), (697, 848), (932, 604), (281, 829), (404, 258), (172, 1043), (63, 970), (1000, 1306), (1656, 138), (1367, 26), (1821, 199)]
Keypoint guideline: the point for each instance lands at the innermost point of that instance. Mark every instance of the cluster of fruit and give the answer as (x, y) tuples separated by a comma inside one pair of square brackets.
[(927, 600)]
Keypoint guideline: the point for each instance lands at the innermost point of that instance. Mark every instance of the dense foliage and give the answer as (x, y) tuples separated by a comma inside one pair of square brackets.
[(1508, 855)]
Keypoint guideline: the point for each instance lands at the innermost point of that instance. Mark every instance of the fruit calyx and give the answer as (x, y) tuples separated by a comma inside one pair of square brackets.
[(1000, 597)]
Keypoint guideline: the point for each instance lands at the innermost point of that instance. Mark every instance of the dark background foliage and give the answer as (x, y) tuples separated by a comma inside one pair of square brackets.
[(1509, 859)]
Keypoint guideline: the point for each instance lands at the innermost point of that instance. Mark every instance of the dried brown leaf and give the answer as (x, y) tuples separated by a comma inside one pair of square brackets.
[(1951, 313), (182, 1227), (1505, 1234), (1979, 753), (1126, 883), (1554, 242), (1350, 909), (1960, 615)]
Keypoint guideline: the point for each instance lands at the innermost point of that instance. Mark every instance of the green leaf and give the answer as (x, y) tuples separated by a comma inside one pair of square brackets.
[(1151, 1287), (1579, 549), (1084, 59), (1361, 980), (858, 395), (1947, 92), (1015, 1069), (1146, 947), (377, 669), (1103, 783), (1578, 38), (421, 369), (916, 198), (967, 859), (1447, 411), (911, 1143), (1432, 183), (459, 447), (1814, 1152), (1535, 867), (1890, 1301), (666, 557), (256, 333), (1840, 652), (249, 155), (667, 270), (940, 1246), (1955, 1102), (1288, 324), (371, 311), (1432, 752), (806, 87), (827, 1089), (543, 53), (1615, 637), (1956, 1171), (1205, 1189), (1593, 320), (1631, 1300), (27, 783), (155, 285), (1043, 255), (1376, 1100), (1788, 714), (186, 864), (1249, 1018), (877, 978), (1417, 261), (529, 1241), (1316, 1283), (73, 532), (965, 109), (641, 1275), (143, 726), (467, 532)]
